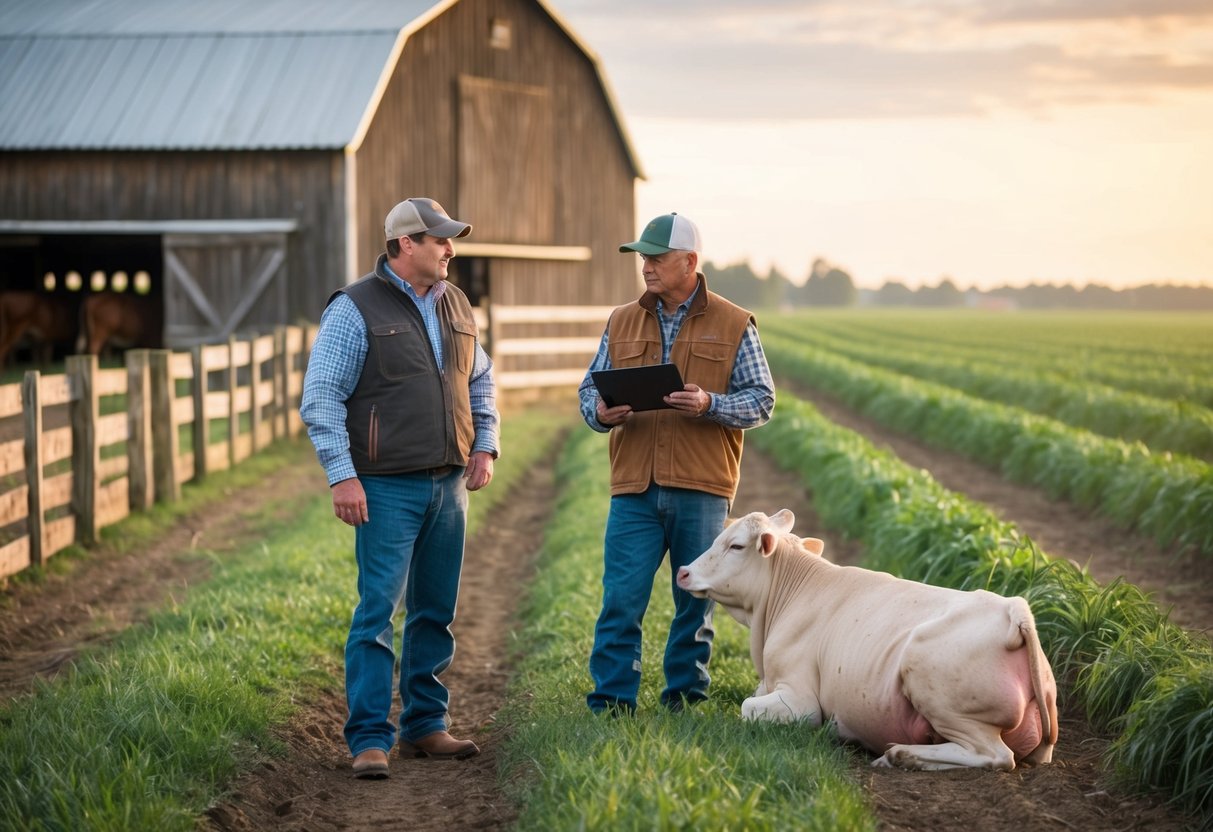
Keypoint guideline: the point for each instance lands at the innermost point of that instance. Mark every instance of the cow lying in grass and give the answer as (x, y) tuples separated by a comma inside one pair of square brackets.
[(927, 677)]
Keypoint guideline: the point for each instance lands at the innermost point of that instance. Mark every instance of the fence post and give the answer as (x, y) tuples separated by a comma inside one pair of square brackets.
[(86, 455), (254, 381), (31, 398), (139, 428), (201, 427), (233, 414), (281, 421), (166, 442)]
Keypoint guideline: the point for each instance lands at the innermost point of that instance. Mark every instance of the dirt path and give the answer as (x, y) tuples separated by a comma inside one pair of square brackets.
[(311, 788)]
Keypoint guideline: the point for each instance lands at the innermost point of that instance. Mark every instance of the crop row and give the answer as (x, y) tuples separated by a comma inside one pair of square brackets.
[(1132, 670), (1138, 366), (1166, 498), (1163, 425), (1168, 339)]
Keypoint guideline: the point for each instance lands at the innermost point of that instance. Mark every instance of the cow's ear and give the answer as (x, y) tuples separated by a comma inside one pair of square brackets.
[(813, 545), (766, 543), (782, 521)]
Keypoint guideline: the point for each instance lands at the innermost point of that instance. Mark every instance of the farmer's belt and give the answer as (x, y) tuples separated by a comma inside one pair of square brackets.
[(440, 471)]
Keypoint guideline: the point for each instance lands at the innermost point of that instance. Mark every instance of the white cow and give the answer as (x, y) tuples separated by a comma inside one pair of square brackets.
[(931, 678)]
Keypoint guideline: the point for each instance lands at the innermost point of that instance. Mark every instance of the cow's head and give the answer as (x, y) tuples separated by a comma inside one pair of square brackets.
[(733, 571)]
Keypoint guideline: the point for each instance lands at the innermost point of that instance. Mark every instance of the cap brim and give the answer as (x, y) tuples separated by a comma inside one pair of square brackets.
[(448, 229), (641, 247)]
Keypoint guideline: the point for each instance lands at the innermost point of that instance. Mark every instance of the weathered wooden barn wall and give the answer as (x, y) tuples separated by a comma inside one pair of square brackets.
[(558, 175), (306, 186)]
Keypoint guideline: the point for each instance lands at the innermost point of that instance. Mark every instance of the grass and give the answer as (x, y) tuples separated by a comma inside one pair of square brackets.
[(704, 769), (147, 732)]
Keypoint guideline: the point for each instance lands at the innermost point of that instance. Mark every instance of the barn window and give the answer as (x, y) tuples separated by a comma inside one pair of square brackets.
[(96, 281), (119, 281), (500, 33), (73, 281), (48, 281)]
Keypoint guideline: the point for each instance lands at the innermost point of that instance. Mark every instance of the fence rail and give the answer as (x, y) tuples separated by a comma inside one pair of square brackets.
[(82, 450)]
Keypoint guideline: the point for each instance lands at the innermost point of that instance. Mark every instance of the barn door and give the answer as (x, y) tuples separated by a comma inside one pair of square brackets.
[(217, 285), (505, 159)]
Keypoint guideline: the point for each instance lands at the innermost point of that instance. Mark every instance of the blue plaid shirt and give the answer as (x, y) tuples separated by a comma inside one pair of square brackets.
[(751, 393), (335, 366)]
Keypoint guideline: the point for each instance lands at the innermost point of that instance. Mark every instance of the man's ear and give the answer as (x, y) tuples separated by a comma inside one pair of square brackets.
[(692, 261)]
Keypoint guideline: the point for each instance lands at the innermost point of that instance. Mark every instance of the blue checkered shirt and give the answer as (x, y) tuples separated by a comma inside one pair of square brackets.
[(335, 366), (747, 403)]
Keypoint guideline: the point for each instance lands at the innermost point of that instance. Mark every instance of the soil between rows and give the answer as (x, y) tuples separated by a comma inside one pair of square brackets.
[(41, 627)]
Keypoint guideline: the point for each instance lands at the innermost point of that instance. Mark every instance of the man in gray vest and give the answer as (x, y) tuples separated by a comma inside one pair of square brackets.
[(400, 403)]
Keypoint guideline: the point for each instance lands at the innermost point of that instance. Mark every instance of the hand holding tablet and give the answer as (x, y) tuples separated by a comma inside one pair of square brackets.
[(642, 388)]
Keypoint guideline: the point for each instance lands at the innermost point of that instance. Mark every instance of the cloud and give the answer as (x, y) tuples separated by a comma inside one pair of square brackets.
[(1088, 10), (892, 59)]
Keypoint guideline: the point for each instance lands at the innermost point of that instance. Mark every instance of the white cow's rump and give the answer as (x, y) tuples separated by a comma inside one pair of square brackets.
[(931, 678)]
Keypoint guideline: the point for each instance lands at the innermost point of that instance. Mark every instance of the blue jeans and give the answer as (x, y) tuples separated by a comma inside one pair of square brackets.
[(640, 529), (410, 551)]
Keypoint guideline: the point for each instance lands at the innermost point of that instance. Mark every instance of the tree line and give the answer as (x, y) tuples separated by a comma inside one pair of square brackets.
[(829, 285)]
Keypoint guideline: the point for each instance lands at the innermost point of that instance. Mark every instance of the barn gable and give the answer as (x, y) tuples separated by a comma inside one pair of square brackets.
[(315, 116)]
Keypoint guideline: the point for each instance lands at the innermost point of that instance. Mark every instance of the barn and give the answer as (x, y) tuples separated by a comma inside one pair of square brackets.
[(233, 161)]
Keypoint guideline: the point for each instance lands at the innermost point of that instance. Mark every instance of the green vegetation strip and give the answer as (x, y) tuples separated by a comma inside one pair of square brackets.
[(1165, 497), (703, 769), (1178, 426), (1141, 342), (1112, 650), (147, 732)]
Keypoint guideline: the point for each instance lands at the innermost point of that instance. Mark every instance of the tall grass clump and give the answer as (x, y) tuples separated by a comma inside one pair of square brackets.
[(1109, 645), (703, 769), (146, 732)]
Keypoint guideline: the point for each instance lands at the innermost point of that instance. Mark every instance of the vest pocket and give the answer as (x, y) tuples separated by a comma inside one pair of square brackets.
[(632, 353), (398, 350), (465, 345), (710, 365)]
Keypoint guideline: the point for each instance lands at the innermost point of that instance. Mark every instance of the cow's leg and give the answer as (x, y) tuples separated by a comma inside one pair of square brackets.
[(782, 705), (972, 745)]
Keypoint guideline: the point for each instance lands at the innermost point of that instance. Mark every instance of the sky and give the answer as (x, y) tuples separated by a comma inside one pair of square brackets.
[(989, 142)]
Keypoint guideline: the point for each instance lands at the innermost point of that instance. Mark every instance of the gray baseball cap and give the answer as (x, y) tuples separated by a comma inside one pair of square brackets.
[(420, 214)]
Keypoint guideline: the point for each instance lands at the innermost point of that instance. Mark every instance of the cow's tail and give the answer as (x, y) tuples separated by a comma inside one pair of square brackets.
[(1023, 634)]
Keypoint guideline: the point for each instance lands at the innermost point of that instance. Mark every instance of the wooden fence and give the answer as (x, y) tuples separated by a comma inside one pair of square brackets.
[(82, 450)]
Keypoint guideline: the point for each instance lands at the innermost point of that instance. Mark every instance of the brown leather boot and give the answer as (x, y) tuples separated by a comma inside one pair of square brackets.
[(371, 765), (439, 746)]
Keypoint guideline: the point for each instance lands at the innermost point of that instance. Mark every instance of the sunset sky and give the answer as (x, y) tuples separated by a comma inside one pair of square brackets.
[(993, 142)]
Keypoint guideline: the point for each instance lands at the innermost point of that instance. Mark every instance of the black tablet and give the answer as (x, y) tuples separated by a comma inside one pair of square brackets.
[(640, 387)]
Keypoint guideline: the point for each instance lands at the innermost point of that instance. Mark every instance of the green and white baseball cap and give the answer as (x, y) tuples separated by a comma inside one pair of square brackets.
[(669, 232)]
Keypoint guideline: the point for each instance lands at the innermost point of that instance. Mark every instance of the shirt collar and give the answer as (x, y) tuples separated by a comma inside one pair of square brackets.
[(433, 294)]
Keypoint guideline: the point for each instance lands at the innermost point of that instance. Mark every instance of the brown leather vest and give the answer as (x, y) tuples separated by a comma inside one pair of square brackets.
[(663, 446), (405, 415)]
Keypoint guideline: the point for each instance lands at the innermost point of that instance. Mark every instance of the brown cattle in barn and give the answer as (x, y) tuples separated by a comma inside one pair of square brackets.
[(38, 319), (119, 321)]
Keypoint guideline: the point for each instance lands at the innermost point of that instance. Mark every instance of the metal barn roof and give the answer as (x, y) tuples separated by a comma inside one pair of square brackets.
[(213, 75)]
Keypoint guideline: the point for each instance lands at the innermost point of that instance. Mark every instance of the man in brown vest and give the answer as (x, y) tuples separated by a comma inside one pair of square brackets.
[(400, 403), (674, 470)]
